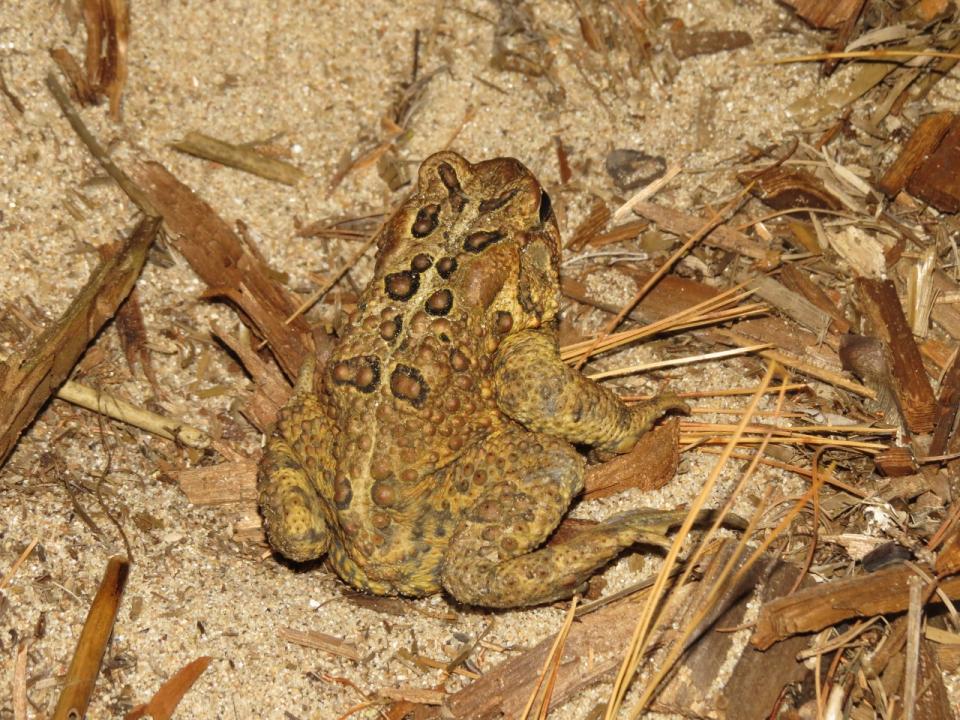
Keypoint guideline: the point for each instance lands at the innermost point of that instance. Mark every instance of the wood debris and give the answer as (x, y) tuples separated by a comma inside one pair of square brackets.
[(241, 157), (164, 702), (108, 32), (97, 629), (321, 641), (28, 379)]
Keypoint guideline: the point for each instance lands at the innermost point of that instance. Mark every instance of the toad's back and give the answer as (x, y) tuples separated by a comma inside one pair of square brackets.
[(410, 383)]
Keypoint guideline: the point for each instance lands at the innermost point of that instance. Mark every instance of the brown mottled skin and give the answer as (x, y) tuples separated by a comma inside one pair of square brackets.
[(435, 451)]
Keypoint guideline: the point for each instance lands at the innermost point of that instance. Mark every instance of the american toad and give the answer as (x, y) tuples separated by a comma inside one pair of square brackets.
[(435, 449)]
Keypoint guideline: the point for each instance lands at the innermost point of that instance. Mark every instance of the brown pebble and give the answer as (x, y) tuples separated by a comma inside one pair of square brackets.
[(409, 475), (381, 521), (504, 322)]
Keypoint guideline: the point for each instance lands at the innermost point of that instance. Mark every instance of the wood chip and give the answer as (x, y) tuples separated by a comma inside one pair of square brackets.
[(222, 261), (164, 702), (885, 591), (829, 14), (690, 43), (28, 379), (915, 152), (240, 157), (784, 188), (228, 482), (937, 181), (884, 319), (650, 465), (321, 641)]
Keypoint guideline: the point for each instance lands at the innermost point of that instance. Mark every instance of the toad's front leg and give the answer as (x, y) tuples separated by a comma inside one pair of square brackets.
[(536, 388), (295, 513)]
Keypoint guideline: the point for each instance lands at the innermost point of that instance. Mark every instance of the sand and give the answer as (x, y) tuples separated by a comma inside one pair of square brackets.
[(315, 79)]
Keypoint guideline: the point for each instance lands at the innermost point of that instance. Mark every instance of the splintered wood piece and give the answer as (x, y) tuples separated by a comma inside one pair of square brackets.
[(108, 30), (240, 157), (791, 304), (650, 465), (896, 461), (688, 43), (784, 188), (721, 236), (321, 641), (948, 403), (915, 152), (272, 390), (932, 700), (812, 609), (222, 261), (759, 676), (594, 647), (948, 559), (85, 666), (591, 226), (78, 79), (937, 181), (829, 14), (228, 482), (799, 281), (884, 318), (164, 702), (28, 379)]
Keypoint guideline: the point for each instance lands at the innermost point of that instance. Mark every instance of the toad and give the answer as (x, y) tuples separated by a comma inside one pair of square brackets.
[(436, 448)]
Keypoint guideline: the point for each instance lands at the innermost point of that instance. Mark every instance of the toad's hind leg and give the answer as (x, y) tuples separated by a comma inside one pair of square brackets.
[(494, 558), (292, 466)]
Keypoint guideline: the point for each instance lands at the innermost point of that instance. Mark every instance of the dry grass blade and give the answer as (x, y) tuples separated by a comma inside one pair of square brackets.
[(629, 370), (802, 366), (725, 392), (85, 666), (333, 280), (163, 704), (18, 562), (704, 230), (641, 635), (550, 666), (719, 308), (862, 54), (19, 689)]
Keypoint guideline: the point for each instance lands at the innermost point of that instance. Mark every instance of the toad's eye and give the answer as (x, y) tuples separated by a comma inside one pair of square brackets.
[(546, 208)]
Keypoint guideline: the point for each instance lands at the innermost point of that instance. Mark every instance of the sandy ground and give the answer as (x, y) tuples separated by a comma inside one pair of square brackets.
[(316, 78)]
